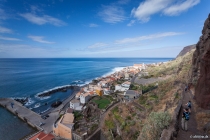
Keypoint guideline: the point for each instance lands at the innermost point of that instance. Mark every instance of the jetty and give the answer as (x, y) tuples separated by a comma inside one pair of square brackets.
[(27, 115), (33, 119), (54, 90)]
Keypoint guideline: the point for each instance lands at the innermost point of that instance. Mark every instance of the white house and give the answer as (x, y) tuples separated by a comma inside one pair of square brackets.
[(126, 76), (126, 84), (84, 98), (74, 103), (106, 91), (120, 88)]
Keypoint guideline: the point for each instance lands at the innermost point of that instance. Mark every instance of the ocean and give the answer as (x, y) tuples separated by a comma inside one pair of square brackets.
[(29, 77), (12, 128)]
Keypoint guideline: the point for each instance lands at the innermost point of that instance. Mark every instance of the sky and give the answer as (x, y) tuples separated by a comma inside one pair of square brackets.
[(99, 28)]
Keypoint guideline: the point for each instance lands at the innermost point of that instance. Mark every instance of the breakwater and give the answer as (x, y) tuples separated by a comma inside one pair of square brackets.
[(25, 114), (57, 89)]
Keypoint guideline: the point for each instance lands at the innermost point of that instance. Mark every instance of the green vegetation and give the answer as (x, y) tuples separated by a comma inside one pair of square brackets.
[(157, 121), (109, 124), (176, 95), (142, 99), (77, 115), (102, 103), (133, 87), (116, 109), (148, 88)]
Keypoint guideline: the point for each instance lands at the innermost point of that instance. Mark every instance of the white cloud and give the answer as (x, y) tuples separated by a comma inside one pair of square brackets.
[(131, 23), (40, 39), (148, 8), (9, 38), (176, 9), (148, 37), (112, 13), (40, 20), (93, 25), (169, 7), (5, 30), (97, 45)]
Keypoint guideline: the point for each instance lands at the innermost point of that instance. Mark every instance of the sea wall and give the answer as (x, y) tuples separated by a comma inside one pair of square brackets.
[(54, 90)]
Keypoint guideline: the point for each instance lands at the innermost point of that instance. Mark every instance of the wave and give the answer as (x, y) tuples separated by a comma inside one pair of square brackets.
[(30, 102), (44, 98), (117, 69), (78, 83), (45, 110)]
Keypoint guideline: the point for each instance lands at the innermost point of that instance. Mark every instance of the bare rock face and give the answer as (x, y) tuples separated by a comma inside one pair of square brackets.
[(201, 68)]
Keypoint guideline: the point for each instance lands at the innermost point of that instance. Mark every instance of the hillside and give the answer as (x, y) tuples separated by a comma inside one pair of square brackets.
[(186, 49), (133, 120)]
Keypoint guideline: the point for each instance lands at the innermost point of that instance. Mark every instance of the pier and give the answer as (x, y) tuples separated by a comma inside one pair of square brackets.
[(32, 118)]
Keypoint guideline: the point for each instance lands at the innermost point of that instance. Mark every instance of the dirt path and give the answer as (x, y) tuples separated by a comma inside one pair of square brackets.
[(192, 124), (102, 120)]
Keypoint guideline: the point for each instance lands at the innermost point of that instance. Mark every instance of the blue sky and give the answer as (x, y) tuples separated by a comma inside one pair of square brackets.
[(99, 28)]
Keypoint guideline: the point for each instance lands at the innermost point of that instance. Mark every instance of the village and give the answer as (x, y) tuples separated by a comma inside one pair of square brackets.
[(82, 116), (85, 112)]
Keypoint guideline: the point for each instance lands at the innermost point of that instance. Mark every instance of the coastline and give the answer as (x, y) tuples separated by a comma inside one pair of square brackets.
[(46, 93)]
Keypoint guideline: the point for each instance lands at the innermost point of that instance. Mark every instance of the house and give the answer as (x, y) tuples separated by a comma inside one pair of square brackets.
[(78, 95), (126, 76), (74, 103), (120, 88), (64, 126), (126, 84), (131, 94), (69, 110), (106, 91), (84, 98), (42, 136), (99, 91), (103, 83)]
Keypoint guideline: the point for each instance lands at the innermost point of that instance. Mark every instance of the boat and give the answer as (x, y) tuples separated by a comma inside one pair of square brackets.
[(37, 105)]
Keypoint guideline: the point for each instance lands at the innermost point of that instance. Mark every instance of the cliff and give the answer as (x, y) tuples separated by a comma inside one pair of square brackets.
[(186, 50), (200, 73)]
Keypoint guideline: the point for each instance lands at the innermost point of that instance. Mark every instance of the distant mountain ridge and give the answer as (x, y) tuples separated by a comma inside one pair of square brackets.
[(186, 49)]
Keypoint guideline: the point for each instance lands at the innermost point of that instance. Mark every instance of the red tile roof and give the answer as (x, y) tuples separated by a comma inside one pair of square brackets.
[(42, 136)]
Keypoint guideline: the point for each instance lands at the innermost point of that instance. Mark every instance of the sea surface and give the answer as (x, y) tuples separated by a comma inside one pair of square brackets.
[(11, 127), (29, 77)]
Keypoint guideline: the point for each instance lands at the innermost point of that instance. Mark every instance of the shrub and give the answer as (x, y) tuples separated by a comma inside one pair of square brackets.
[(157, 121), (109, 124), (128, 117)]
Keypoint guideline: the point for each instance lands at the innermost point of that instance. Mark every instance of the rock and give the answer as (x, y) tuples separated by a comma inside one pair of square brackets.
[(200, 72), (206, 127), (186, 50)]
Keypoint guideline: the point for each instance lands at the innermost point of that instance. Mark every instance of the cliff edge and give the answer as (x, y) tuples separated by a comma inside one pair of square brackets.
[(186, 50), (200, 73)]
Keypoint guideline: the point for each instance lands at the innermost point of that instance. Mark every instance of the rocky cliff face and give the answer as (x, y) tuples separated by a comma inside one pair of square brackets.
[(201, 67), (186, 50)]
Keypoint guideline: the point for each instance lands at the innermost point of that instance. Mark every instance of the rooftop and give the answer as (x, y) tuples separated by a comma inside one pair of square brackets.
[(42, 136), (68, 118), (75, 101), (128, 83)]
